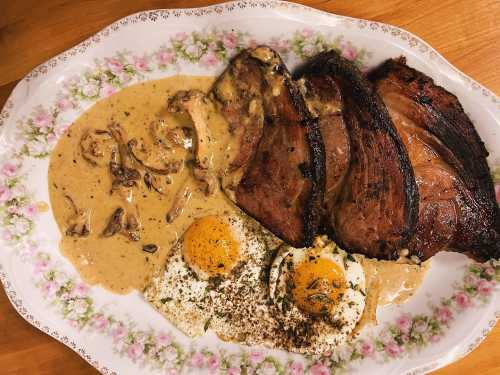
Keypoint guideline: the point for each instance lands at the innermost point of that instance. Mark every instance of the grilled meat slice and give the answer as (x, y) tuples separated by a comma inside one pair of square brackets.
[(276, 169), (324, 101), (457, 199), (376, 211)]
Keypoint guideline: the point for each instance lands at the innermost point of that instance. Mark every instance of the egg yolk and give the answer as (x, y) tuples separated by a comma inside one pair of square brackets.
[(319, 284), (210, 246)]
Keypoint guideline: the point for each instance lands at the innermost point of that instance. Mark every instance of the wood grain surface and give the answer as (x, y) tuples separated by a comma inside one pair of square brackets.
[(466, 32)]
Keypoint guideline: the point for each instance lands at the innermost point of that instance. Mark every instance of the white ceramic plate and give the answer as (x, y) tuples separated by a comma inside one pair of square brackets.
[(452, 312)]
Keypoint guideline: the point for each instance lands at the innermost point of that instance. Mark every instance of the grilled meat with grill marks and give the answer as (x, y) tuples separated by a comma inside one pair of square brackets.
[(376, 210), (458, 208)]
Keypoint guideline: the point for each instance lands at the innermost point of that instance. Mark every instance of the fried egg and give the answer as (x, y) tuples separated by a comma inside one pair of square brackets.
[(212, 245), (212, 276), (320, 290)]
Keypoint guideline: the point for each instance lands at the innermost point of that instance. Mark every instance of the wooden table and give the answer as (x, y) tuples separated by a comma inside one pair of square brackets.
[(31, 31)]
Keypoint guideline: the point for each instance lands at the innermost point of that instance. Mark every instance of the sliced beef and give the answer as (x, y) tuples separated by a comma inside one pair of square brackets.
[(275, 167), (324, 101), (376, 211), (457, 199)]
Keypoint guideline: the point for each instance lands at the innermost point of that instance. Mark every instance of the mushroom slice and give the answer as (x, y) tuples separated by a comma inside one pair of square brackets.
[(114, 224), (181, 199), (96, 147), (124, 223), (169, 137), (208, 178), (122, 168), (79, 223), (167, 167), (198, 106)]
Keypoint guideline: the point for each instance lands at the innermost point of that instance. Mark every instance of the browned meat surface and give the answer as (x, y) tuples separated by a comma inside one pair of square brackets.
[(376, 211), (457, 200), (275, 169), (324, 100)]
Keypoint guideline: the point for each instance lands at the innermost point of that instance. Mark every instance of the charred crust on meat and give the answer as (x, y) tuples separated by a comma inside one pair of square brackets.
[(478, 227), (259, 74), (363, 105)]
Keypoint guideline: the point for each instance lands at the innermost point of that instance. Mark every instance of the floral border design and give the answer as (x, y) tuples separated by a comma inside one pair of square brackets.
[(71, 297), (209, 49), (158, 350)]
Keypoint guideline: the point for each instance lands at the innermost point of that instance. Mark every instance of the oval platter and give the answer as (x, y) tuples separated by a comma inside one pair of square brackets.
[(456, 307)]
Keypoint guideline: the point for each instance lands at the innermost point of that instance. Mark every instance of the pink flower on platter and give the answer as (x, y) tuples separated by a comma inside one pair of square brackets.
[(308, 50), (171, 371), (64, 104), (233, 371), (80, 290), (281, 46), (471, 280), (107, 90), (212, 46), (50, 288), (135, 351), (256, 357), (100, 322), (60, 130), (165, 57), (319, 369), (489, 270), (9, 169), (71, 82), (43, 119), (213, 363), (393, 349), (5, 193), (367, 349), (462, 300), (197, 360), (118, 332), (497, 191), (51, 138), (405, 338), (349, 52), (41, 266), (307, 32), (6, 235), (73, 323), (230, 40), (404, 323), (13, 210), (115, 65), (434, 338), (444, 314), (141, 63), (163, 339), (30, 210), (181, 36), (209, 60), (420, 326), (485, 287), (252, 43), (296, 368)]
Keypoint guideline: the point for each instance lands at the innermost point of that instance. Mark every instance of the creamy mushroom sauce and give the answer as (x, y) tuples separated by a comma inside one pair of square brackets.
[(120, 264)]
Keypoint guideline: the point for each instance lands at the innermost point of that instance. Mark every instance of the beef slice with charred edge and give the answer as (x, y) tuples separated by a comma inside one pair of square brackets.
[(276, 170), (324, 101), (458, 208), (376, 211)]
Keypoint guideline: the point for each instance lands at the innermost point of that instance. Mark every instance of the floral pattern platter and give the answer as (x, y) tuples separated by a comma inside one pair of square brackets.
[(452, 312)]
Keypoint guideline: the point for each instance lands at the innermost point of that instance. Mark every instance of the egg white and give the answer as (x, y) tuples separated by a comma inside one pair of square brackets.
[(338, 325)]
